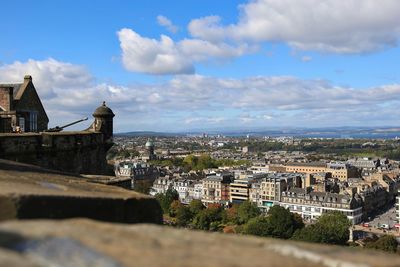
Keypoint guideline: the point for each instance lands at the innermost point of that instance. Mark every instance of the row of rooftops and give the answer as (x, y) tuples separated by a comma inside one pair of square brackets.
[(326, 197)]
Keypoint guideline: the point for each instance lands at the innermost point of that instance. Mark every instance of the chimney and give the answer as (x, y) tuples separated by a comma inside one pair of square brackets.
[(6, 98), (27, 78)]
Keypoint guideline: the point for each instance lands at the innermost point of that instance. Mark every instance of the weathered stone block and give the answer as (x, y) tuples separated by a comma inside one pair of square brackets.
[(28, 192)]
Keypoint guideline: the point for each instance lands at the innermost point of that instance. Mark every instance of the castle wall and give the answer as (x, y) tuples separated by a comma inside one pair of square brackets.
[(76, 152)]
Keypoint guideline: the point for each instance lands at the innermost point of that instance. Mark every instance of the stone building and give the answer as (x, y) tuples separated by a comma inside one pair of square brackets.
[(239, 190), (216, 188), (136, 171), (309, 167), (21, 109), (149, 153), (161, 185), (272, 187), (246, 187), (311, 205), (339, 170), (183, 187)]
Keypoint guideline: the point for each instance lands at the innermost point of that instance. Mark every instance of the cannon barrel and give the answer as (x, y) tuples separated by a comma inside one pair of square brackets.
[(60, 128)]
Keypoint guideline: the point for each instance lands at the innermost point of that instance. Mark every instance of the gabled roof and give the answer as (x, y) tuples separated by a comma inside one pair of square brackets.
[(19, 90)]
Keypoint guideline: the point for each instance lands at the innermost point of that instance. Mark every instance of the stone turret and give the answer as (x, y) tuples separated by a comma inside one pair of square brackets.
[(103, 121)]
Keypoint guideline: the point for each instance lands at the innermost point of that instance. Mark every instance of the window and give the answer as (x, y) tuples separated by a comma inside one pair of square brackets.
[(21, 123), (33, 121)]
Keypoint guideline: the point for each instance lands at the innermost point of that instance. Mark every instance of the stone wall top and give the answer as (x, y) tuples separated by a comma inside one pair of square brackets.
[(28, 192), (93, 243)]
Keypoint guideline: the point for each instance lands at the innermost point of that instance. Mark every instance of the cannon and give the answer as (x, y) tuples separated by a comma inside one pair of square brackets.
[(60, 128)]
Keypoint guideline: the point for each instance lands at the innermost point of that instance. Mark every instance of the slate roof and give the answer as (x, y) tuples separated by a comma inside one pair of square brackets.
[(16, 88)]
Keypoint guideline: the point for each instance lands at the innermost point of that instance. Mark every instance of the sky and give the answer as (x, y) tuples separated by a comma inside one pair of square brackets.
[(208, 65)]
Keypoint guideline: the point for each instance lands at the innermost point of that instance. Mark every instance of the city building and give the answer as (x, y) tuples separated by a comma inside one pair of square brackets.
[(241, 189), (198, 190), (255, 194), (342, 171), (339, 170), (273, 185), (185, 189), (398, 207), (216, 188), (306, 167), (149, 151), (137, 171), (21, 109), (311, 205), (260, 168), (161, 185)]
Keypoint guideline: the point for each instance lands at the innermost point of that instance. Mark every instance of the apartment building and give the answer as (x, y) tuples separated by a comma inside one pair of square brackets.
[(311, 205), (272, 186), (242, 188), (216, 188)]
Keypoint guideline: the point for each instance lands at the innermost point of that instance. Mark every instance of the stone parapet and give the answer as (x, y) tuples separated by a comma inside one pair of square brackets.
[(81, 242), (77, 152), (30, 192)]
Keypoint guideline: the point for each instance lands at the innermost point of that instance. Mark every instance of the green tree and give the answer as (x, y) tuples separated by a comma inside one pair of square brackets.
[(183, 216), (385, 243), (205, 162), (282, 222), (212, 214), (125, 154), (258, 226), (311, 233), (190, 162), (335, 225), (174, 207), (196, 206), (298, 221), (331, 228), (166, 199), (246, 211)]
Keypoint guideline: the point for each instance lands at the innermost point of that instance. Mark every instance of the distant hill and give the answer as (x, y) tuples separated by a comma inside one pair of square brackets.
[(324, 132), (149, 133)]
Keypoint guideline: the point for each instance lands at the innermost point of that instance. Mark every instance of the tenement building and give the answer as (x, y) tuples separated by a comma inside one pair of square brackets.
[(216, 188), (338, 170), (272, 187), (311, 205)]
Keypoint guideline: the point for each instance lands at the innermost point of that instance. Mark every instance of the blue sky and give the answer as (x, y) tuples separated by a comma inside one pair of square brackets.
[(182, 65)]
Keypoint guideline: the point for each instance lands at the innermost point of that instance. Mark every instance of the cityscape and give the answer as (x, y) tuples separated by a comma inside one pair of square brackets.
[(200, 133)]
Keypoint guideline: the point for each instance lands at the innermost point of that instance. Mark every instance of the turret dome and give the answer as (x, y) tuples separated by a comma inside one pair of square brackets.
[(149, 143), (103, 111)]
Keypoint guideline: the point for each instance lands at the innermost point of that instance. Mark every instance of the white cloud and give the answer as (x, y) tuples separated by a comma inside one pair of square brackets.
[(344, 27), (165, 56), (152, 56), (185, 99), (164, 21), (350, 26), (204, 120), (48, 75), (207, 28)]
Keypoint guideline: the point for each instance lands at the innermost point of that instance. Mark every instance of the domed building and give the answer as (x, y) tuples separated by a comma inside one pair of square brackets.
[(150, 155)]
